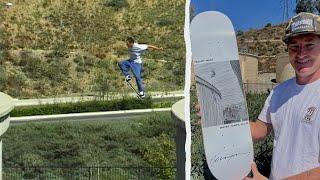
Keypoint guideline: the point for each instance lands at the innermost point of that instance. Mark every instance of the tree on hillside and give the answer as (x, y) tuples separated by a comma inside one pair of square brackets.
[(306, 6), (106, 78), (3, 50), (4, 43), (3, 78), (312, 6), (317, 5)]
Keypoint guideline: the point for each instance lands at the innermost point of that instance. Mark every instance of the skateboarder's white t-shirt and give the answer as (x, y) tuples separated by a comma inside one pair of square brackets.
[(293, 111), (136, 51)]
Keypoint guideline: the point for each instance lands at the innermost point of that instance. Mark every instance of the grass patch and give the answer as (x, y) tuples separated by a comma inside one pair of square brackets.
[(138, 142)]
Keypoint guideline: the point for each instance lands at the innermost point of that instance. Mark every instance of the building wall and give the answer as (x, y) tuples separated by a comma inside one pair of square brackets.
[(284, 69), (249, 68)]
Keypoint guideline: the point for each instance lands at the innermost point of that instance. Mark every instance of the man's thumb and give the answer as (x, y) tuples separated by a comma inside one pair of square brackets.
[(254, 169)]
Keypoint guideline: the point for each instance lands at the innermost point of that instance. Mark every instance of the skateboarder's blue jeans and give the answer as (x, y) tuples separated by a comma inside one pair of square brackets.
[(136, 69)]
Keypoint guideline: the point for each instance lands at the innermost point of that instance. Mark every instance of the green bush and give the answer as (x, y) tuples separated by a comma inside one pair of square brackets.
[(263, 155), (158, 152), (240, 33), (117, 4), (163, 104), (255, 103), (16, 81), (164, 22), (89, 61), (35, 68), (57, 72), (3, 78), (268, 25), (85, 106)]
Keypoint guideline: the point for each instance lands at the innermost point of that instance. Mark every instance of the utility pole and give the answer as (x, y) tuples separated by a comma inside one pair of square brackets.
[(285, 5)]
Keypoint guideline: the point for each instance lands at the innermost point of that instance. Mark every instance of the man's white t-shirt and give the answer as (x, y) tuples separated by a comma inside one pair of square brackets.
[(136, 51), (293, 111)]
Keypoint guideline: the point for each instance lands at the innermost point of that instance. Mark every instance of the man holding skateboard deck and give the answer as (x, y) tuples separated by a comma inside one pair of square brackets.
[(135, 63), (292, 109)]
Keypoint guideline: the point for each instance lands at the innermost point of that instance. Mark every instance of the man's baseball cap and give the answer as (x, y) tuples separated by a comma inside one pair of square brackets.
[(303, 23)]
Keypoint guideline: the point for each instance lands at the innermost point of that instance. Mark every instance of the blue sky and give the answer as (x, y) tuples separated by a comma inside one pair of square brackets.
[(246, 14)]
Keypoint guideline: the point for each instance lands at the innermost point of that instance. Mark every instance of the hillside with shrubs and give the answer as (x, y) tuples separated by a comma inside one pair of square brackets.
[(50, 48), (265, 43)]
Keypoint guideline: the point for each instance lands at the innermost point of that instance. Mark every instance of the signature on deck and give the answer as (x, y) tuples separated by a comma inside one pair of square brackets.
[(218, 157)]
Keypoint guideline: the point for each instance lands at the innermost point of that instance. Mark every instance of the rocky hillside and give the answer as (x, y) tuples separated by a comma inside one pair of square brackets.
[(265, 42), (60, 47)]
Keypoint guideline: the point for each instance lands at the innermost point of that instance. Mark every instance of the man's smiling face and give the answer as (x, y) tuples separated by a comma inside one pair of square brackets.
[(304, 55)]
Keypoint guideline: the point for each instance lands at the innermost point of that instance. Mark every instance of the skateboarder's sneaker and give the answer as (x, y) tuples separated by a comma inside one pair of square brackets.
[(141, 94), (128, 78)]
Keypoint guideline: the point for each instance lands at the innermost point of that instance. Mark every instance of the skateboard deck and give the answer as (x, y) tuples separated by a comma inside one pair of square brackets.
[(134, 89), (224, 116)]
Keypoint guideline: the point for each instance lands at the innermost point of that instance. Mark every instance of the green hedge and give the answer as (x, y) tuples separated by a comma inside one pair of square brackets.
[(85, 106), (90, 106)]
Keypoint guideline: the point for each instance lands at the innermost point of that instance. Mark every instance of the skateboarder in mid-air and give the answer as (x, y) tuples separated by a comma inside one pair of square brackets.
[(135, 63)]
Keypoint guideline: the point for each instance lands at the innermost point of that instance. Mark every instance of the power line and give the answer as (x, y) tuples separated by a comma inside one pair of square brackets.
[(285, 14)]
